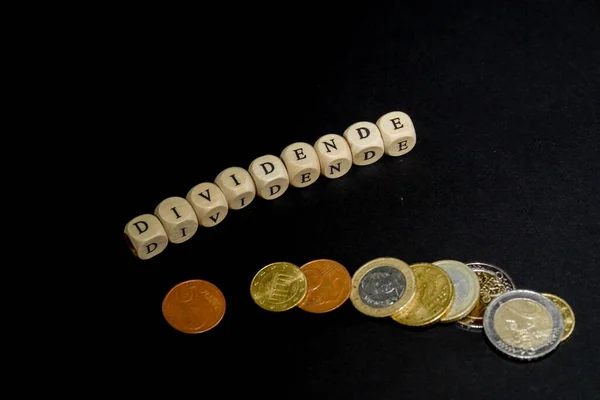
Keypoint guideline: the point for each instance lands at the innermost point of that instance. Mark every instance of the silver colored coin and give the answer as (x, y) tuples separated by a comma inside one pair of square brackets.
[(466, 289), (493, 282), (382, 287), (523, 324)]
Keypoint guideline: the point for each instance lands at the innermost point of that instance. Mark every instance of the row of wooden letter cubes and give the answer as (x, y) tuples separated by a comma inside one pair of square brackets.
[(177, 219)]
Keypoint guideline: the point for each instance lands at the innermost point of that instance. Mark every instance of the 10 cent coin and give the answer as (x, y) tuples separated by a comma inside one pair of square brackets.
[(433, 298), (278, 286)]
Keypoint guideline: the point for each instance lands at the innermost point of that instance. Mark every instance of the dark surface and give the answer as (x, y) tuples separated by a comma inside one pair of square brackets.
[(504, 97)]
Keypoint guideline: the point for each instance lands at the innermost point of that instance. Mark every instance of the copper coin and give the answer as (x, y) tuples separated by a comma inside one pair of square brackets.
[(194, 306), (329, 286)]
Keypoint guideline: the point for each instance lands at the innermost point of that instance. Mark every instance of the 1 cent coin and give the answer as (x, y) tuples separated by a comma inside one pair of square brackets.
[(194, 306), (278, 287), (329, 285)]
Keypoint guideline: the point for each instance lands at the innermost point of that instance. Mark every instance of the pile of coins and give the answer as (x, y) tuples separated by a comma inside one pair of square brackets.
[(521, 324), (177, 219)]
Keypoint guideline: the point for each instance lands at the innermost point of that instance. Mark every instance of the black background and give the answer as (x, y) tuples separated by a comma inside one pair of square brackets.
[(504, 97)]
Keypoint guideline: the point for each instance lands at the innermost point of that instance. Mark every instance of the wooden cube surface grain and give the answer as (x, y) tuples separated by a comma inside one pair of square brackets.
[(238, 187), (398, 133), (270, 176), (178, 217), (365, 142), (302, 164), (334, 155), (146, 236), (209, 203)]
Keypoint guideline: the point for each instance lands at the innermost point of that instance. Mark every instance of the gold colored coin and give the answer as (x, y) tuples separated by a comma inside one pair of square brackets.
[(567, 314), (382, 287), (278, 286), (435, 294)]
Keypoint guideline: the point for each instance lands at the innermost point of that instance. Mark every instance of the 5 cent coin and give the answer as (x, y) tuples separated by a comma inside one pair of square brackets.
[(329, 285), (194, 306)]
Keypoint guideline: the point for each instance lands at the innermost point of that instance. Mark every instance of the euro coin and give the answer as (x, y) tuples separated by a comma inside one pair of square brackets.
[(194, 306), (278, 287), (523, 324), (567, 313), (492, 282), (329, 285), (433, 298), (466, 289), (382, 287)]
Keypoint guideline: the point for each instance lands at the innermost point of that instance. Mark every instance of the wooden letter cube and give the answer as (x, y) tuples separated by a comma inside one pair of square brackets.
[(398, 133), (237, 186), (334, 154), (145, 236), (365, 142), (302, 164), (178, 218), (270, 177), (209, 203)]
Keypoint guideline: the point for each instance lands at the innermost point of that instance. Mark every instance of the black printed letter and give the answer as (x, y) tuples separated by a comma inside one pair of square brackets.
[(268, 171), (332, 145), (366, 132), (338, 168), (299, 154), (396, 122), (140, 229)]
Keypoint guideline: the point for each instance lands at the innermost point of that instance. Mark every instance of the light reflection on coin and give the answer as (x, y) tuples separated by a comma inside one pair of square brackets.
[(492, 282), (382, 286), (523, 324), (466, 289), (278, 286), (567, 313), (433, 298)]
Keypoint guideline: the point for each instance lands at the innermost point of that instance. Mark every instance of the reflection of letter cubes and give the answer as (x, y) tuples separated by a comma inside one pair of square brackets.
[(146, 236), (334, 154), (209, 203), (365, 142), (270, 177), (398, 133), (178, 218), (302, 164), (237, 186)]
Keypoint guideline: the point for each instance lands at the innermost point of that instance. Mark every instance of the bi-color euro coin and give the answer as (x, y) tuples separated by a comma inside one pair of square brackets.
[(523, 324), (382, 287), (492, 282), (466, 289)]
